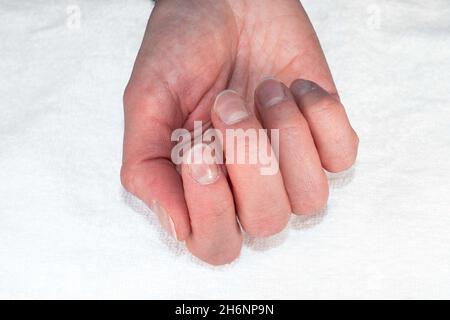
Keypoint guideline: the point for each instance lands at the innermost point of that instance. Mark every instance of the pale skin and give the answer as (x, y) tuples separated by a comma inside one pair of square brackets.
[(192, 51)]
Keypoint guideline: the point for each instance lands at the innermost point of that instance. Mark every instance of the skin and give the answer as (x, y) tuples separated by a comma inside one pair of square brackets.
[(192, 51)]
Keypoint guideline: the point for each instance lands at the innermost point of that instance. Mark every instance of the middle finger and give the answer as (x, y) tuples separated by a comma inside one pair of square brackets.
[(262, 203)]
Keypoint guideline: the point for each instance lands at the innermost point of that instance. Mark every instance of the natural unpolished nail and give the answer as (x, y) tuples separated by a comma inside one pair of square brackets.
[(165, 220), (302, 87), (270, 93), (202, 166), (230, 107)]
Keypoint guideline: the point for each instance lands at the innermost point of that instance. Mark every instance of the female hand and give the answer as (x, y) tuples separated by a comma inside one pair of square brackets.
[(192, 51)]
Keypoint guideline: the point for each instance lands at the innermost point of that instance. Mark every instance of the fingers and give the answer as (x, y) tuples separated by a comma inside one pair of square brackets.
[(216, 237), (147, 171), (335, 139), (261, 200), (304, 178)]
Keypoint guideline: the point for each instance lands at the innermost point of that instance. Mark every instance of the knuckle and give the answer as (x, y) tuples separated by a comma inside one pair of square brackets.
[(312, 202), (218, 254), (222, 208), (127, 178), (293, 130), (327, 107), (341, 162), (346, 156), (267, 225), (128, 95), (224, 257), (340, 153), (136, 97), (355, 142)]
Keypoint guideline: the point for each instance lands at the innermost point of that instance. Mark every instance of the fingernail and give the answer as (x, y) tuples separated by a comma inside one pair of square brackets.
[(302, 87), (165, 220), (202, 164), (307, 93), (270, 92), (230, 107)]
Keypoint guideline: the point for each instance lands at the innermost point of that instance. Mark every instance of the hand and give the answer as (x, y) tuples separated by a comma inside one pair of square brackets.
[(192, 51)]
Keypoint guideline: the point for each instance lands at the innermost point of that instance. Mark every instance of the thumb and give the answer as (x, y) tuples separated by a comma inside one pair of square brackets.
[(151, 114)]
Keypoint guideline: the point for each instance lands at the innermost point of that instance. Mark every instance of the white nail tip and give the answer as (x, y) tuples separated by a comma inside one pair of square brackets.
[(236, 117), (230, 109)]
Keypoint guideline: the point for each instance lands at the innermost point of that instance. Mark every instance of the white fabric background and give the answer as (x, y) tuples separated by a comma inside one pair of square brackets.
[(67, 230)]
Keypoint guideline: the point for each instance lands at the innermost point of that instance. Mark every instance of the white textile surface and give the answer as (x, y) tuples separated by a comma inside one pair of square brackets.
[(68, 230)]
